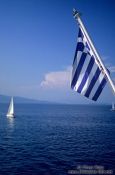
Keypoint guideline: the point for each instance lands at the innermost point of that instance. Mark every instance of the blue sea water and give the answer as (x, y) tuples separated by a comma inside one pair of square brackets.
[(54, 139)]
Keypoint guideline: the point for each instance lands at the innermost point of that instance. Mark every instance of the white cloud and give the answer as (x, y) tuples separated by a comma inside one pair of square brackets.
[(108, 64), (112, 69), (61, 79), (57, 79)]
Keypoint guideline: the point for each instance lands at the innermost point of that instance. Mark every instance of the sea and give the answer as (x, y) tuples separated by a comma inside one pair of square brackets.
[(52, 139)]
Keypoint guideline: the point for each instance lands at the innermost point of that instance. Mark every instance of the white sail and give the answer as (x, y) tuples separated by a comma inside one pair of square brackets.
[(11, 109), (113, 106)]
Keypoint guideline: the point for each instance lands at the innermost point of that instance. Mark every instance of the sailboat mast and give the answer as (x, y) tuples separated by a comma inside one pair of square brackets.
[(97, 57), (12, 105)]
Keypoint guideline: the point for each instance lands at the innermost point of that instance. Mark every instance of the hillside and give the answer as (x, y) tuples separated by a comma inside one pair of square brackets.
[(6, 99)]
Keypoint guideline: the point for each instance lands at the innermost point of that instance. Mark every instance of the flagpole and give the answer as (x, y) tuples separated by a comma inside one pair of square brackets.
[(99, 61)]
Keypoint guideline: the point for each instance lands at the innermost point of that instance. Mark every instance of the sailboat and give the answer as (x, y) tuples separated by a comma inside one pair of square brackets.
[(10, 112), (113, 107)]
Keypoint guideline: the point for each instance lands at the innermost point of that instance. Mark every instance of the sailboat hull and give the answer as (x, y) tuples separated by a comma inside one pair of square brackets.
[(10, 115), (113, 109)]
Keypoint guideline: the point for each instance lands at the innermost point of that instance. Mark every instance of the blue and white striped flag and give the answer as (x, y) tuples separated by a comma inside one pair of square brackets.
[(88, 78)]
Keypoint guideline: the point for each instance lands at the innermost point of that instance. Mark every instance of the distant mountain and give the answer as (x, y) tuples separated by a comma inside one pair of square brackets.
[(6, 99)]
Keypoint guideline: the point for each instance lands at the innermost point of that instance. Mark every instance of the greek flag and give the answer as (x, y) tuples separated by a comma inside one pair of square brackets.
[(88, 78)]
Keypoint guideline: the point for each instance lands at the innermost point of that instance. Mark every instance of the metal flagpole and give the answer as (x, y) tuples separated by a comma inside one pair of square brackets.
[(99, 61)]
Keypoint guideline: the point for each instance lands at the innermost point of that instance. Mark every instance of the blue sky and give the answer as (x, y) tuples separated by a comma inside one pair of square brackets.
[(37, 45)]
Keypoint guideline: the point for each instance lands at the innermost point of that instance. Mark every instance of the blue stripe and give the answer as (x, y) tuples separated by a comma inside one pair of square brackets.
[(75, 56), (80, 47), (88, 70), (87, 46), (108, 70), (99, 90), (80, 34), (78, 69), (92, 83)]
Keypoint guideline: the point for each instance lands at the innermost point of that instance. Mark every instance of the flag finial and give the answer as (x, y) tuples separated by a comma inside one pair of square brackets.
[(76, 14)]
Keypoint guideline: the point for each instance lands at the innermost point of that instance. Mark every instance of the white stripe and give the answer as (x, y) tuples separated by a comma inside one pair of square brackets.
[(76, 63), (98, 82), (86, 41), (80, 40), (92, 73), (85, 65), (77, 59)]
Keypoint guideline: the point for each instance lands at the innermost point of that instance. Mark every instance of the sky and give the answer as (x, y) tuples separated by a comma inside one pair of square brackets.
[(38, 41)]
